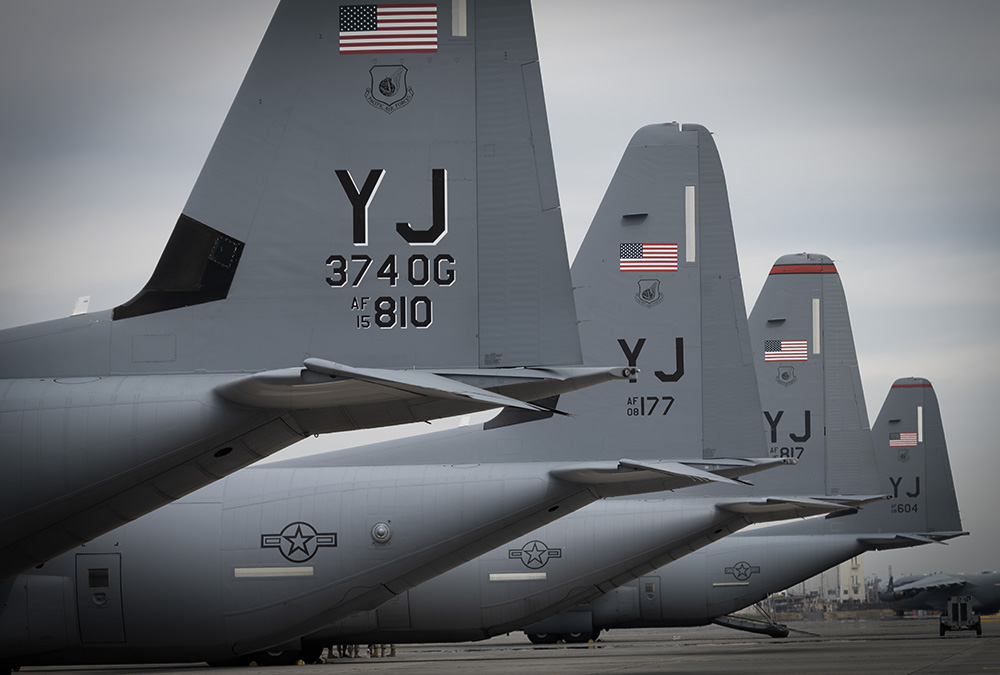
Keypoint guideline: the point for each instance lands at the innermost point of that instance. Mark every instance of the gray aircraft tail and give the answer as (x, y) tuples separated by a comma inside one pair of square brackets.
[(914, 467), (657, 281), (810, 386), (380, 192)]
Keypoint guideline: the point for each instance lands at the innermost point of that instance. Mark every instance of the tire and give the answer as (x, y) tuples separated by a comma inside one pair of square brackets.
[(576, 638), (941, 630), (543, 638), (979, 628), (277, 657)]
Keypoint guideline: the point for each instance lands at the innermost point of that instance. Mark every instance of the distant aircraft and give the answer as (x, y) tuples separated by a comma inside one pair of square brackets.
[(931, 591), (813, 387), (280, 550), (374, 239)]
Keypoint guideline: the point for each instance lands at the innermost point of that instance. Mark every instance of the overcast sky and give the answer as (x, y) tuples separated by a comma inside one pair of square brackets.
[(867, 131)]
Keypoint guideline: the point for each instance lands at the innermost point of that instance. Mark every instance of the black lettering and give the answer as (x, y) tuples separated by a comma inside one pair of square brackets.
[(444, 276), (911, 495), (895, 486), (439, 214), (385, 312), (773, 422), (339, 271), (652, 407), (365, 264), (678, 359), (670, 402), (388, 270), (417, 318), (630, 354), (806, 435), (417, 270), (360, 200)]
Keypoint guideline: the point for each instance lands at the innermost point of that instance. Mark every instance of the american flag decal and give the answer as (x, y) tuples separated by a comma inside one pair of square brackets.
[(388, 29), (785, 350), (904, 439), (648, 258)]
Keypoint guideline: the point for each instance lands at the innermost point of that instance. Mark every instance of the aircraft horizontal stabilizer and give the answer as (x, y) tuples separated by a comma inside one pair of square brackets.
[(684, 473), (326, 384), (905, 540), (763, 509)]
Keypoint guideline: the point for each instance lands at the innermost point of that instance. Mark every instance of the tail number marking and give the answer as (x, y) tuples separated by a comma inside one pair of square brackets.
[(632, 354), (793, 451), (361, 199), (644, 406), (392, 312), (420, 270), (903, 507)]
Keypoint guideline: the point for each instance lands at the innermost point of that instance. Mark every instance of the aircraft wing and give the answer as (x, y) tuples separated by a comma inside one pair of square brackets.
[(325, 384)]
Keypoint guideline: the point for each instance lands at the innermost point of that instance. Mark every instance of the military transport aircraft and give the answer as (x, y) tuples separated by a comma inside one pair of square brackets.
[(814, 410), (231, 593), (741, 570), (375, 239), (931, 591)]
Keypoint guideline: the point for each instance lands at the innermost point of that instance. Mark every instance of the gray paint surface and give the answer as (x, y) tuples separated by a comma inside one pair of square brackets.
[(107, 415)]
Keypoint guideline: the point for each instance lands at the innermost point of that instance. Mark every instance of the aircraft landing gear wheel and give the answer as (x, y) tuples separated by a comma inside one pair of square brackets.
[(543, 638), (979, 628), (941, 630), (275, 657), (575, 638)]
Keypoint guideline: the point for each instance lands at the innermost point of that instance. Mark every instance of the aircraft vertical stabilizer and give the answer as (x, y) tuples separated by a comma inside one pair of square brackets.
[(366, 199), (913, 461), (661, 252), (810, 385)]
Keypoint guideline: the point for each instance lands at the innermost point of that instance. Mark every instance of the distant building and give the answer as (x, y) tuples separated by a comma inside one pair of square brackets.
[(851, 579), (843, 583)]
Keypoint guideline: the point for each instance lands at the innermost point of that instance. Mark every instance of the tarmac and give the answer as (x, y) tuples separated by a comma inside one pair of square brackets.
[(858, 647)]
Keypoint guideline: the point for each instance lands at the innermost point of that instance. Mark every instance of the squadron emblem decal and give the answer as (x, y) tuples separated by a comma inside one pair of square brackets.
[(535, 554), (742, 570), (786, 375), (389, 91), (299, 542), (649, 294)]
